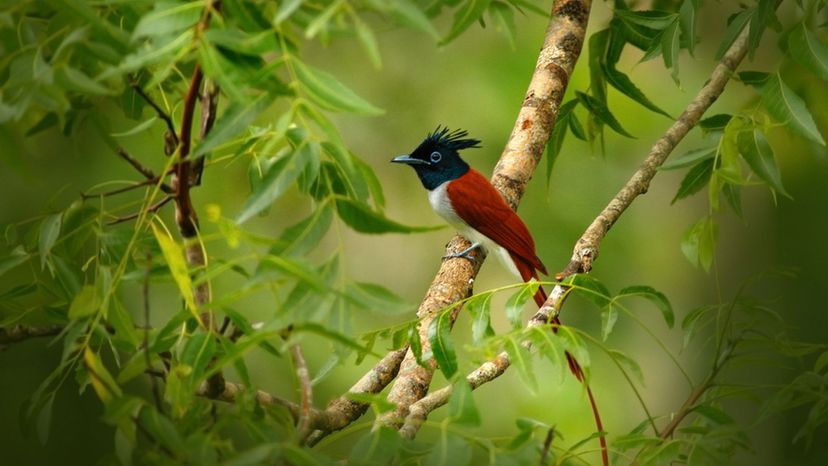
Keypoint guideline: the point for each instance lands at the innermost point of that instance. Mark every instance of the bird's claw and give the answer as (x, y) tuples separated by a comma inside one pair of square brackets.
[(465, 254)]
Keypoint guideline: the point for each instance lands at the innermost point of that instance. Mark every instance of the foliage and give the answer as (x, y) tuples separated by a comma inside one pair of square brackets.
[(64, 61)]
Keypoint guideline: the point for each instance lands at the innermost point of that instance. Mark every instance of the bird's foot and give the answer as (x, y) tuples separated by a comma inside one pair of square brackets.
[(466, 253)]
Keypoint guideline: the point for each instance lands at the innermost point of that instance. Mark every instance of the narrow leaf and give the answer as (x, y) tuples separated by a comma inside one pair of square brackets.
[(696, 179), (602, 113), (808, 51), (465, 16), (49, 232), (442, 347), (328, 92), (363, 219), (86, 302), (788, 108), (656, 297), (174, 256), (514, 305), (690, 158), (758, 154)]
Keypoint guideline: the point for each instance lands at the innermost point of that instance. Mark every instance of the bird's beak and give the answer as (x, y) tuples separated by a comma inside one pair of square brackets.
[(409, 160)]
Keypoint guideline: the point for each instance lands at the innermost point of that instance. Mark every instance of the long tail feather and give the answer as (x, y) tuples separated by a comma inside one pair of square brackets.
[(575, 368)]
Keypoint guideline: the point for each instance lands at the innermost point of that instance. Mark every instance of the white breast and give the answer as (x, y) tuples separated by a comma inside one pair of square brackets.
[(439, 200)]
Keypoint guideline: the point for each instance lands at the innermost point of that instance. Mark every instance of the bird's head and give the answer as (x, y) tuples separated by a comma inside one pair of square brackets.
[(436, 159)]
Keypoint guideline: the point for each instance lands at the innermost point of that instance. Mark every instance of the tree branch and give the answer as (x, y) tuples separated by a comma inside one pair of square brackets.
[(343, 410), (586, 249), (305, 390), (18, 333), (561, 47)]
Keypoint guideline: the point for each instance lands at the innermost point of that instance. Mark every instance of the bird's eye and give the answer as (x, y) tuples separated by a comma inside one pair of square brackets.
[(436, 157)]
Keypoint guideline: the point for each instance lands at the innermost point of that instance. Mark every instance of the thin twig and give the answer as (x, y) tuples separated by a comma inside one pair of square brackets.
[(148, 173), (305, 391), (162, 114), (18, 333), (547, 444), (561, 47), (150, 209)]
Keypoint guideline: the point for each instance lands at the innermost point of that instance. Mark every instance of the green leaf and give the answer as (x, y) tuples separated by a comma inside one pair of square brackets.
[(670, 41), (652, 19), (86, 302), (808, 51), (623, 84), (602, 113), (504, 16), (735, 26), (376, 447), (78, 81), (17, 257), (291, 267), (465, 16), (442, 347), (334, 336), (713, 413), (609, 317), (369, 42), (696, 178), (759, 156), (363, 219), (301, 238), (521, 358), (100, 378), (408, 13), (629, 364), (553, 146), (634, 440), (197, 352), (451, 450), (286, 9), (687, 22), (139, 128), (279, 176), (758, 22), (654, 296), (49, 232), (716, 122), (514, 305), (733, 196), (757, 79), (234, 121), (462, 409), (690, 158), (665, 453), (174, 256), (479, 307), (699, 243), (788, 108), (328, 92), (374, 297), (590, 288), (168, 18)]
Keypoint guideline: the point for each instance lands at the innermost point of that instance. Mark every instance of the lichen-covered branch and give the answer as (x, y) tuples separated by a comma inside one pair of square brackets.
[(343, 410), (561, 47), (18, 333), (303, 424), (586, 249)]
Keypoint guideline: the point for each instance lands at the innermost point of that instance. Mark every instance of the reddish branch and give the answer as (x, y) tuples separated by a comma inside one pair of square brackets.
[(561, 48)]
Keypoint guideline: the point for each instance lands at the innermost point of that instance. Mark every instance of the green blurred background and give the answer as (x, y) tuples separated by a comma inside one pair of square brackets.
[(477, 83)]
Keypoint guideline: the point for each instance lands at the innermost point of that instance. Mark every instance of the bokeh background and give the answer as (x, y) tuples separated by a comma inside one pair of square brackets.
[(477, 83)]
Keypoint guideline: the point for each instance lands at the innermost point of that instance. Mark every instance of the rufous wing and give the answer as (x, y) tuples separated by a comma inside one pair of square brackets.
[(479, 204)]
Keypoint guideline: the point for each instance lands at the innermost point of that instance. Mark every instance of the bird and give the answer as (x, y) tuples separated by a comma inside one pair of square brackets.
[(466, 200)]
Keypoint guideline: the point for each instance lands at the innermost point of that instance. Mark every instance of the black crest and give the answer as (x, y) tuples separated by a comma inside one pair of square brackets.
[(443, 138)]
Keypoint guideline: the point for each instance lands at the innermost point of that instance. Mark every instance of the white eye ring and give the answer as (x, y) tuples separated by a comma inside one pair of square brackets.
[(435, 157)]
